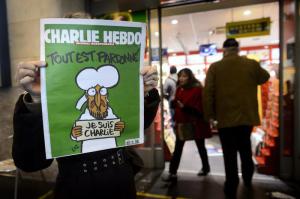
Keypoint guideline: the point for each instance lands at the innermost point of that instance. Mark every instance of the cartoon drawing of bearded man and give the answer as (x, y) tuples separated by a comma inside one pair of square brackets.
[(95, 83)]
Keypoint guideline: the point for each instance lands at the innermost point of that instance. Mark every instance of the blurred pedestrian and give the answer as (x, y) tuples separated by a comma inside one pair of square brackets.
[(230, 101), (189, 117), (169, 91)]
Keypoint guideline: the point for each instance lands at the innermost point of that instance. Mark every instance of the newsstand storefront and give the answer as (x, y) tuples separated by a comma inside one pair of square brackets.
[(274, 142)]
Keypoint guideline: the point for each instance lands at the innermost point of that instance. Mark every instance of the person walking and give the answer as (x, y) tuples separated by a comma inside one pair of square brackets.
[(169, 89), (188, 110), (230, 100)]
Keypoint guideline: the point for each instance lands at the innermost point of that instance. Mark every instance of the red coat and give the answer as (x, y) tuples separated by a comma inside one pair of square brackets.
[(192, 99)]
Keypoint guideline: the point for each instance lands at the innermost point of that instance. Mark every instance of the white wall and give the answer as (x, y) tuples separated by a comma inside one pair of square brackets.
[(23, 26)]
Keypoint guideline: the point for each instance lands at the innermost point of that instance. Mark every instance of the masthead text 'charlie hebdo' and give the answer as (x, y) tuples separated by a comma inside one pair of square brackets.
[(73, 36)]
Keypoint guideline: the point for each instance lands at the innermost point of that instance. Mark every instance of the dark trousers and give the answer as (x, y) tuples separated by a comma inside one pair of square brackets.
[(174, 164), (233, 140)]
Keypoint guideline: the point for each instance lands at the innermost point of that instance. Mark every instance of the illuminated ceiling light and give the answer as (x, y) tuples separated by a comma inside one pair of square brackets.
[(174, 21), (247, 12), (156, 34), (129, 10)]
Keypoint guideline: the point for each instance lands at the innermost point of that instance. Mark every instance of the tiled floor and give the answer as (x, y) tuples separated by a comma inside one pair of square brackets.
[(189, 185), (150, 185), (211, 187)]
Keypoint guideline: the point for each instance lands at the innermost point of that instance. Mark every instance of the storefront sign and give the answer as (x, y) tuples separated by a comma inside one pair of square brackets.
[(92, 91), (250, 28)]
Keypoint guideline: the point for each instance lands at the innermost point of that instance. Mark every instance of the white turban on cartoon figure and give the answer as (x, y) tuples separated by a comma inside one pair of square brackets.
[(95, 83)]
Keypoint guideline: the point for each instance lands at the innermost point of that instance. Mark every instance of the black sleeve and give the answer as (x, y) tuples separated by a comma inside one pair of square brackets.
[(192, 111), (28, 149), (150, 107)]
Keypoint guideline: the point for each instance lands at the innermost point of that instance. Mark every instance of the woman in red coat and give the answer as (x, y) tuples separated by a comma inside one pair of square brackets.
[(188, 109)]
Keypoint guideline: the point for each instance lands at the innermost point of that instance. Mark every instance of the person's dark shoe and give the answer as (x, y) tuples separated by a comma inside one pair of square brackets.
[(203, 172), (248, 184), (230, 191), (230, 194), (170, 178)]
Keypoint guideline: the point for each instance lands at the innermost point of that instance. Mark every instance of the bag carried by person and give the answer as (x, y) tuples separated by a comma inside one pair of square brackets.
[(186, 131)]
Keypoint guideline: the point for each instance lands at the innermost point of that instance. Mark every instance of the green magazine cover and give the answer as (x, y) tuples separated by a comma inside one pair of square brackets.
[(91, 89)]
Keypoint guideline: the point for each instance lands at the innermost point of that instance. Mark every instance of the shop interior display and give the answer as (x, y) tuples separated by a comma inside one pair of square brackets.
[(265, 138), (188, 41), (267, 151)]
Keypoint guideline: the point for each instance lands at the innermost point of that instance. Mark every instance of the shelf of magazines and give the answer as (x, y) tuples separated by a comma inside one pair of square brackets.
[(268, 155)]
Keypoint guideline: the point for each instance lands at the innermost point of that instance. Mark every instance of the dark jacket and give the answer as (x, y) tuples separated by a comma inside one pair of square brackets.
[(230, 94), (29, 150)]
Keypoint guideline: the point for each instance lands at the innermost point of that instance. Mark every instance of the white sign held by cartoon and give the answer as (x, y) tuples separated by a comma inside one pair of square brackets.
[(98, 129)]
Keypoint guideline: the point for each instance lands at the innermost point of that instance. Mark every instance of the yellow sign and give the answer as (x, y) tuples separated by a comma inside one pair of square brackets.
[(250, 28)]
